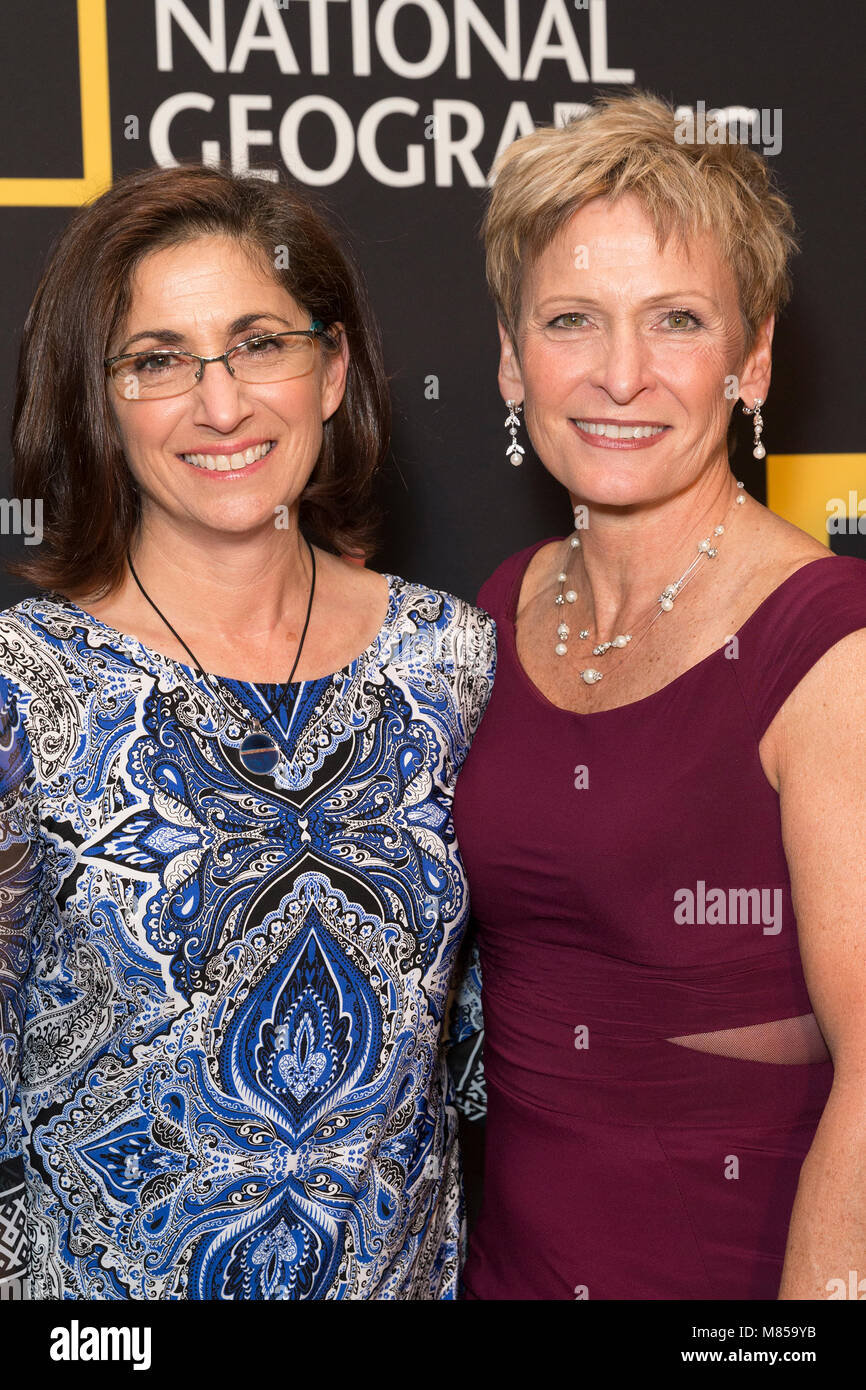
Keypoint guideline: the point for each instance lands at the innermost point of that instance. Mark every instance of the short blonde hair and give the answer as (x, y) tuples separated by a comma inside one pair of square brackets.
[(626, 144)]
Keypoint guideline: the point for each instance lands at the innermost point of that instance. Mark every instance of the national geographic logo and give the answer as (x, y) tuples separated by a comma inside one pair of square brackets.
[(95, 125)]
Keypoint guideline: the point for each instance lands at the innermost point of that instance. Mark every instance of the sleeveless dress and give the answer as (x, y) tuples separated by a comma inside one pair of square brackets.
[(222, 992), (629, 886)]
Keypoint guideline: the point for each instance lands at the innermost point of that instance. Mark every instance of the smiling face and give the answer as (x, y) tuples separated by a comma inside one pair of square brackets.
[(624, 351), (207, 295)]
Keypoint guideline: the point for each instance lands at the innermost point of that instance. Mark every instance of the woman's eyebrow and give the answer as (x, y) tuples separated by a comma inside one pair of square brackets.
[(170, 335), (667, 296)]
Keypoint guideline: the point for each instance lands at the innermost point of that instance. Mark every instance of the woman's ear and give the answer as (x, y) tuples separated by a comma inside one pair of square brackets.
[(335, 365), (510, 377), (757, 368)]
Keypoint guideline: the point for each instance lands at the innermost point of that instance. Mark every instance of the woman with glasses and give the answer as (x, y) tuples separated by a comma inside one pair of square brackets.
[(230, 890)]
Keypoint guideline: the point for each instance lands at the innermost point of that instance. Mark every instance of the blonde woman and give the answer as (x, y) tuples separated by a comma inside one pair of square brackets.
[(664, 812)]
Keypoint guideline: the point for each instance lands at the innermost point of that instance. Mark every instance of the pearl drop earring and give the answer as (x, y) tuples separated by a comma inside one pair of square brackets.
[(514, 453), (758, 450)]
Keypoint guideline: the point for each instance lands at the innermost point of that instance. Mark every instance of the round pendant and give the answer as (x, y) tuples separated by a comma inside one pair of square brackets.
[(259, 753)]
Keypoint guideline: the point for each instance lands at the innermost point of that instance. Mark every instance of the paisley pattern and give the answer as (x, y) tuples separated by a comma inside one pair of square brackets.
[(222, 992)]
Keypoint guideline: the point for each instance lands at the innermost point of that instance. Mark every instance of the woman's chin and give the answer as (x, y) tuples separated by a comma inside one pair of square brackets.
[(239, 522), (610, 492)]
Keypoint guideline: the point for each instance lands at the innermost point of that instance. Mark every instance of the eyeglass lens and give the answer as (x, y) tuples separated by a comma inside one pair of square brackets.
[(159, 374)]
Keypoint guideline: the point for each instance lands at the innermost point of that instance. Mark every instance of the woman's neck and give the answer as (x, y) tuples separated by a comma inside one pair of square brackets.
[(226, 587), (626, 557)]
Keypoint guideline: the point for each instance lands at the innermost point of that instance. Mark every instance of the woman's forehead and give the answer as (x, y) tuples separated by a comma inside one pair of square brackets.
[(202, 259), (616, 242), (216, 276)]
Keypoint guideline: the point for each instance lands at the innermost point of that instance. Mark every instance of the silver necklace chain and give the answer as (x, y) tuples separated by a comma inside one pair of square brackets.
[(707, 548), (255, 724)]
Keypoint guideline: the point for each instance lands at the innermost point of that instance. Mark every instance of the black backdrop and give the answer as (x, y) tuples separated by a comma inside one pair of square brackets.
[(453, 507)]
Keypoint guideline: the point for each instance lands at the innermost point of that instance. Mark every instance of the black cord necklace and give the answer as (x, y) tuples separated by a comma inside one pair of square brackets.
[(259, 751)]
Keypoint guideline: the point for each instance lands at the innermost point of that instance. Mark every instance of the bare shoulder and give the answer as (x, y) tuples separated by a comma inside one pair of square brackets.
[(349, 583), (116, 609), (825, 709), (785, 542), (833, 689), (772, 550)]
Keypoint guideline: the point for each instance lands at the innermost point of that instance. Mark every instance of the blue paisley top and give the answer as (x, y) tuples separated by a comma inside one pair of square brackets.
[(222, 993)]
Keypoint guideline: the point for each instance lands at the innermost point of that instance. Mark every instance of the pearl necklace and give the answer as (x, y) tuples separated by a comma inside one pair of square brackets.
[(665, 599)]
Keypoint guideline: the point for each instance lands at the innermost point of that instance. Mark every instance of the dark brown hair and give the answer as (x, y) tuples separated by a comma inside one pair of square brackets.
[(65, 444)]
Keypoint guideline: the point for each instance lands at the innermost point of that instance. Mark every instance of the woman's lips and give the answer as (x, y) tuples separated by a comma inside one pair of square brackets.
[(231, 464), (639, 434)]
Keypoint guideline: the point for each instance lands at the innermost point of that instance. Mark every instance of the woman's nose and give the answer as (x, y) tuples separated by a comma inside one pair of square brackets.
[(218, 395), (622, 369)]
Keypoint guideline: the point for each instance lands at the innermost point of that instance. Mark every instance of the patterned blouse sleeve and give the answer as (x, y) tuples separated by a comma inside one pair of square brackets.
[(465, 1024), (474, 669), (20, 872)]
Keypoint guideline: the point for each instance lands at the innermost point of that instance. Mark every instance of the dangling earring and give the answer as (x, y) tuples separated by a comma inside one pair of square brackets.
[(758, 451), (514, 453)]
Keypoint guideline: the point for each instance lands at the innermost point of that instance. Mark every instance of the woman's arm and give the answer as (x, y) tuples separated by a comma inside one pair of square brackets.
[(821, 762)]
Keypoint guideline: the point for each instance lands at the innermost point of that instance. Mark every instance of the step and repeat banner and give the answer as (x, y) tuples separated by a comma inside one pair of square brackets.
[(394, 112)]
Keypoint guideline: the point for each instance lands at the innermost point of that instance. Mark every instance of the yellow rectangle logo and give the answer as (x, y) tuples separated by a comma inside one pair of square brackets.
[(95, 124)]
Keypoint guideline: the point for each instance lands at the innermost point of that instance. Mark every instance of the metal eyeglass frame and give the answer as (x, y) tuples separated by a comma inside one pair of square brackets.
[(315, 330)]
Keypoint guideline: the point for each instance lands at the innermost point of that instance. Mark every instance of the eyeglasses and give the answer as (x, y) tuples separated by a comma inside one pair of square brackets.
[(157, 374)]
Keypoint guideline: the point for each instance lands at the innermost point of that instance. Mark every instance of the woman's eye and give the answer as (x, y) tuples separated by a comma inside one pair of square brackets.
[(154, 362), (686, 319), (567, 321), (259, 347)]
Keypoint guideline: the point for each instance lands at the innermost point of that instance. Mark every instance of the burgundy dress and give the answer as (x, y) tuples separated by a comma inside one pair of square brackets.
[(620, 1165)]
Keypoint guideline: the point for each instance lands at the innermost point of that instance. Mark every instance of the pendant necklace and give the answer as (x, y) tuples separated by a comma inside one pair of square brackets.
[(259, 751), (707, 549)]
